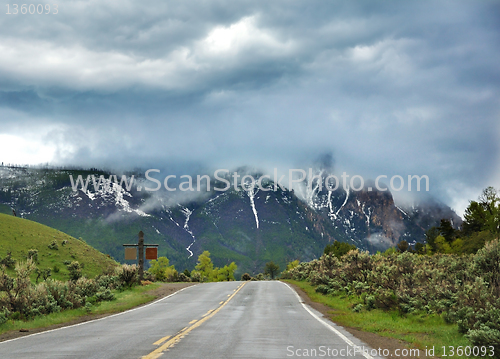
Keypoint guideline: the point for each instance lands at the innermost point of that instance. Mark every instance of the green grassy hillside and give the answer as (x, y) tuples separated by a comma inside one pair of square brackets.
[(19, 235)]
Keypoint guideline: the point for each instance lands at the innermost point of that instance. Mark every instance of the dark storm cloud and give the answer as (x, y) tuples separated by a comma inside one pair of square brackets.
[(388, 87)]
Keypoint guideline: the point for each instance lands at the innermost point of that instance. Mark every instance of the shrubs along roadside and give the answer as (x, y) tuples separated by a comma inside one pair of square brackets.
[(22, 299), (161, 270), (462, 289)]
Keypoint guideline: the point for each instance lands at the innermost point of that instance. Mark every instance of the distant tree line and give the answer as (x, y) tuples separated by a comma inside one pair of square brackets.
[(481, 224), (47, 166)]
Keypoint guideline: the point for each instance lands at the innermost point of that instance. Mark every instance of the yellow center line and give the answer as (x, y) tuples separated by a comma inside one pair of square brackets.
[(221, 302), (158, 342), (159, 351), (210, 311), (193, 321)]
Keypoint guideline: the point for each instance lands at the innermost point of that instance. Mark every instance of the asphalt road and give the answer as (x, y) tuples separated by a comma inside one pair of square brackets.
[(210, 320)]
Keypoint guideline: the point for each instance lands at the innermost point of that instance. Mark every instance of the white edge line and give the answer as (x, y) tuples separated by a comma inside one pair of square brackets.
[(96, 320), (336, 331)]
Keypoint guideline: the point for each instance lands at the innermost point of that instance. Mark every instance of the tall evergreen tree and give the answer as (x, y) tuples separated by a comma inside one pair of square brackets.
[(447, 231), (483, 214)]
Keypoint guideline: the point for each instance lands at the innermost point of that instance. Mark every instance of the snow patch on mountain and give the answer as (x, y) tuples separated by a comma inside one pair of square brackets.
[(251, 192), (114, 192), (406, 214), (187, 212), (343, 204)]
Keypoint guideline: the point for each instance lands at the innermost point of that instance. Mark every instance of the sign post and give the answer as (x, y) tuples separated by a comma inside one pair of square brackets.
[(141, 255), (131, 253)]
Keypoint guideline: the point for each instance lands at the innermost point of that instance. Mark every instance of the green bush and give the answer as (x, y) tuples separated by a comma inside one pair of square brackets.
[(8, 261), (338, 249), (86, 287), (43, 273), (33, 255), (158, 268), (17, 296), (63, 294), (171, 274), (21, 299), (357, 308), (88, 307), (53, 245), (195, 276), (322, 288), (105, 295), (370, 302), (478, 309), (462, 289), (3, 317), (108, 281), (75, 270), (127, 274), (163, 272)]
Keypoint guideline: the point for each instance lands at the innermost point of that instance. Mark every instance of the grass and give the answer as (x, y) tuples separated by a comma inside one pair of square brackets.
[(124, 300), (18, 235), (418, 330)]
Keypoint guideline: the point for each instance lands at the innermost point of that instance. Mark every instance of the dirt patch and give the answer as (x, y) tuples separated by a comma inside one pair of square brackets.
[(168, 288), (373, 340), (160, 292)]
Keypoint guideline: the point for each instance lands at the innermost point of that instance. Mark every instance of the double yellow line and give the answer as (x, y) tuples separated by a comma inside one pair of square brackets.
[(194, 324)]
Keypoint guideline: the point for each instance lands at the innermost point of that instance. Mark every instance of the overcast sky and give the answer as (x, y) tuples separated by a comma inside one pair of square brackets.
[(386, 87)]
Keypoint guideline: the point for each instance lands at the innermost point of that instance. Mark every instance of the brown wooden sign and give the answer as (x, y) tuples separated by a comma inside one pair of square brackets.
[(141, 247), (130, 253), (152, 253)]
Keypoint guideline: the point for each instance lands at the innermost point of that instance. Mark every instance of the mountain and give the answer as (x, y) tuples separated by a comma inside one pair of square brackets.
[(249, 225), (370, 218)]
